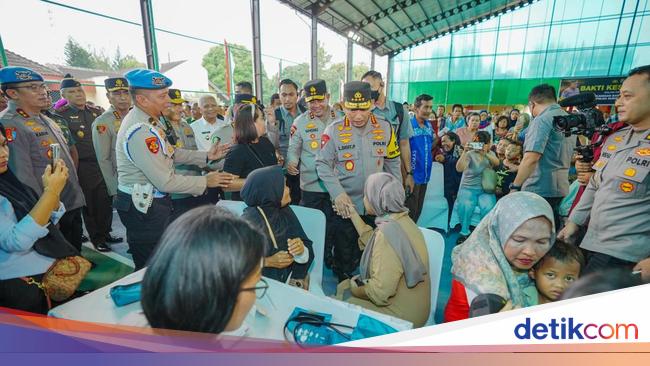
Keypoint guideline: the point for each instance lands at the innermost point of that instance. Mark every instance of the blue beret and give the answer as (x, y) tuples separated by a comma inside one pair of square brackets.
[(15, 74), (147, 79)]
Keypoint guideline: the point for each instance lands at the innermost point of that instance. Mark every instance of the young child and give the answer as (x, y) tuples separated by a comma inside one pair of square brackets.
[(507, 170), (556, 271)]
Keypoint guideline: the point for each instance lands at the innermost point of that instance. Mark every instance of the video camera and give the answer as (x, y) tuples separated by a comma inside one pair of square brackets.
[(585, 120)]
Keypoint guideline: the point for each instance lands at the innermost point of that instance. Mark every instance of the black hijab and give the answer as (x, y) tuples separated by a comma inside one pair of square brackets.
[(264, 188), (23, 199)]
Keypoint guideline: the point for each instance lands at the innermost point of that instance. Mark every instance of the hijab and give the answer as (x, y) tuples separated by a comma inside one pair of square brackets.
[(23, 199), (386, 196), (263, 189), (480, 263), (486, 122)]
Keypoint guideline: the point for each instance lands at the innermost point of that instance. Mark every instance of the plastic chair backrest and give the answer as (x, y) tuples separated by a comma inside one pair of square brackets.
[(313, 223), (436, 249)]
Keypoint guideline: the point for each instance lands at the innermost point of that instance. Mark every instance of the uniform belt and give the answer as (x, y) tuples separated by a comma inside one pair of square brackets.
[(129, 190)]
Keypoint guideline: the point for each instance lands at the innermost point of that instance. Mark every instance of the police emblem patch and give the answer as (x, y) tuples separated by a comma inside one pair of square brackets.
[(152, 144), (324, 140), (349, 165), (10, 134), (101, 129), (626, 187), (23, 75)]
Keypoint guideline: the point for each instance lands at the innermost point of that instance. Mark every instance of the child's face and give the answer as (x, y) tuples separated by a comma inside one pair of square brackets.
[(552, 277), (513, 152), (502, 146)]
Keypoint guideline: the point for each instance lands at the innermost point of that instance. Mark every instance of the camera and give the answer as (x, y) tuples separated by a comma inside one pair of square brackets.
[(585, 120), (476, 145)]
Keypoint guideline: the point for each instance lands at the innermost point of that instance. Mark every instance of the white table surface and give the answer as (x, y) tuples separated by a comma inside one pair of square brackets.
[(266, 320)]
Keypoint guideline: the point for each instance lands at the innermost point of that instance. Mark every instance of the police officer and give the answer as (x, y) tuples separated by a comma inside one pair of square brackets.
[(104, 133), (184, 139), (352, 149), (29, 134), (106, 126), (304, 146), (617, 199), (145, 166), (98, 213)]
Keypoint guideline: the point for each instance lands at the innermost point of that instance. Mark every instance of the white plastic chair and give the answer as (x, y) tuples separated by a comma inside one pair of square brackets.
[(435, 209), (436, 249), (313, 223)]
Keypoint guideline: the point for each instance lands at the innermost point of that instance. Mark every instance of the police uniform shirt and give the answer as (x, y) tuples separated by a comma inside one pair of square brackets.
[(104, 135), (551, 175), (304, 145), (80, 123), (143, 156), (617, 199), (29, 139), (389, 113), (185, 140), (203, 130), (349, 155)]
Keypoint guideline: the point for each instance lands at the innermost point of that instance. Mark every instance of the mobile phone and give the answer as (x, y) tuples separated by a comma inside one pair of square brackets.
[(56, 154), (359, 282), (476, 145)]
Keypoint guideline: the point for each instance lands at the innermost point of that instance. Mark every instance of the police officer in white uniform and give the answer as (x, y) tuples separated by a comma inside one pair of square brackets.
[(145, 166)]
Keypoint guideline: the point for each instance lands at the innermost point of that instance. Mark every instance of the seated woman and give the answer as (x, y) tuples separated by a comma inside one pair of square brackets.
[(472, 163), (252, 149), (496, 258), (29, 242), (394, 276), (204, 274), (288, 250)]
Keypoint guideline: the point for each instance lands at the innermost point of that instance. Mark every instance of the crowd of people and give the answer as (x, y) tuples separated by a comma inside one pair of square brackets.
[(163, 162)]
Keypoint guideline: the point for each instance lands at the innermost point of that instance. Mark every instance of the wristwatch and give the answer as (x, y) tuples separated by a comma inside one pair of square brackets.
[(514, 187)]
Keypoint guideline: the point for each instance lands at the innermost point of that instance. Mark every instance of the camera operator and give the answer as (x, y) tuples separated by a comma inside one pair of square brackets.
[(617, 198), (583, 168), (547, 152)]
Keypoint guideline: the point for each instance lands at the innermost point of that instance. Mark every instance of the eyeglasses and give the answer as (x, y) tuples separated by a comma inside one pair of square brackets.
[(260, 291), (33, 87)]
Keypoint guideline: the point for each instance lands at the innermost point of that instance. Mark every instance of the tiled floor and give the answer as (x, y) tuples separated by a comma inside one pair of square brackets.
[(329, 280)]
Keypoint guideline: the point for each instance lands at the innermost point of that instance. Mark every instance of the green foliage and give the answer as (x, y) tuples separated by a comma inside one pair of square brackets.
[(79, 56)]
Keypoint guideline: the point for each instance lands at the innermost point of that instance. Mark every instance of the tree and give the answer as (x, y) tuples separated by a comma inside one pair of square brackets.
[(125, 62), (215, 63), (77, 55)]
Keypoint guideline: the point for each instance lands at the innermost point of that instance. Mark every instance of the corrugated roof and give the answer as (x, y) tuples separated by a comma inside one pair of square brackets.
[(389, 26), (14, 59)]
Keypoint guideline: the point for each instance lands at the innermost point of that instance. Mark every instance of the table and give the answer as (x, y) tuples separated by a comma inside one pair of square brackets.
[(266, 319)]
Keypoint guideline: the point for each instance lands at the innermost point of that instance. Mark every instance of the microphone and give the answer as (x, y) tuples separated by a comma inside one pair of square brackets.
[(578, 100), (485, 304)]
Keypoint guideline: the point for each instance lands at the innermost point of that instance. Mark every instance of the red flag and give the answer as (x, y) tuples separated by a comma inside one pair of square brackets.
[(225, 47)]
